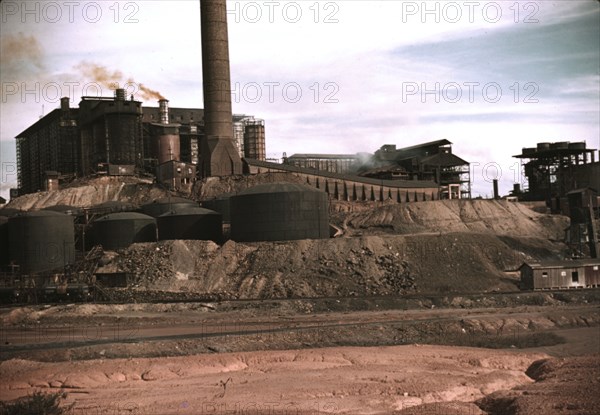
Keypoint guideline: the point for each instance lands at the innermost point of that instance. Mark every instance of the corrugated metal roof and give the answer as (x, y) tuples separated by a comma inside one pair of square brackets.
[(443, 160), (561, 264), (443, 142)]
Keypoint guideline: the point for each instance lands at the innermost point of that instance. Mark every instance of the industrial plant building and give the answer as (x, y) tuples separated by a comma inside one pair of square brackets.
[(554, 169), (431, 162), (118, 136), (332, 163)]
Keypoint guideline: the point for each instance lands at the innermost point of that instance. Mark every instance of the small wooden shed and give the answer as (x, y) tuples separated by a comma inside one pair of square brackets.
[(549, 275)]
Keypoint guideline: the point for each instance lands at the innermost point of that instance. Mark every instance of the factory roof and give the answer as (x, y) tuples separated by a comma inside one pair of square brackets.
[(443, 160), (412, 184), (582, 190), (438, 143), (561, 264), (46, 120), (185, 115)]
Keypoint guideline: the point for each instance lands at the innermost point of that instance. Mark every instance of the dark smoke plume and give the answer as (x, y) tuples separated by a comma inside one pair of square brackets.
[(111, 79)]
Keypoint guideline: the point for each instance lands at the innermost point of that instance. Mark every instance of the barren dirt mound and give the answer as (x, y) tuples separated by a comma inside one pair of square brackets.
[(90, 192), (212, 187), (480, 216), (370, 265), (563, 386)]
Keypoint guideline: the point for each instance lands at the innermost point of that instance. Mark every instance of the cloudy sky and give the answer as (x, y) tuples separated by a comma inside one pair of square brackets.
[(327, 76)]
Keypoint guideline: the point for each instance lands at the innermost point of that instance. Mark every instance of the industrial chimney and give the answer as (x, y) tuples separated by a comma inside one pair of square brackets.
[(167, 140), (119, 94), (219, 154), (64, 104), (163, 109)]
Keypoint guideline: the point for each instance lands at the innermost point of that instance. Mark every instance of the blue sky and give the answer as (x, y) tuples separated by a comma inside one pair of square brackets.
[(335, 77)]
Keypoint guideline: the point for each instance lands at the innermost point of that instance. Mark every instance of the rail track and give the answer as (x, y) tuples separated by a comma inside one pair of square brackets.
[(81, 293)]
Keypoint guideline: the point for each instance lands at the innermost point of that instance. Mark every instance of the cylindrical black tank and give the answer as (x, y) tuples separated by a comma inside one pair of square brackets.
[(4, 257), (220, 205), (561, 145), (7, 212), (191, 223), (119, 230), (164, 205), (66, 209), (577, 146), (112, 206), (41, 240), (279, 212), (543, 146)]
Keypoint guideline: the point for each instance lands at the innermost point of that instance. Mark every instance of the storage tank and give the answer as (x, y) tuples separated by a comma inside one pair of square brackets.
[(543, 146), (191, 223), (66, 209), (8, 212), (279, 212), (561, 145), (527, 151), (112, 206), (41, 240), (166, 204), (119, 230), (219, 205), (577, 146), (254, 140), (4, 257)]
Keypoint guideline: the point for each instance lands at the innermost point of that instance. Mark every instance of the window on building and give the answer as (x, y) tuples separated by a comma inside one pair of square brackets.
[(575, 276), (544, 274), (563, 273)]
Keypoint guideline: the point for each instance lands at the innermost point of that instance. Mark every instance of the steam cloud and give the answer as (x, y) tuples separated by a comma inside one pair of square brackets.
[(110, 79)]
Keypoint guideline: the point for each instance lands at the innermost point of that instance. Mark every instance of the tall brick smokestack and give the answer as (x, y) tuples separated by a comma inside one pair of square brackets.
[(219, 156)]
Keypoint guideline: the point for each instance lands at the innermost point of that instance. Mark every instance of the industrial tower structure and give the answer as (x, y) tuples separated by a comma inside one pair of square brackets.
[(219, 156)]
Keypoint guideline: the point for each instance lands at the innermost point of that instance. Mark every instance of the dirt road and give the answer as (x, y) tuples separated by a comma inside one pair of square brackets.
[(183, 359)]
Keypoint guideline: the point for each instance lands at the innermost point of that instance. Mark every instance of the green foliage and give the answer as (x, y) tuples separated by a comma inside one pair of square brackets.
[(37, 403)]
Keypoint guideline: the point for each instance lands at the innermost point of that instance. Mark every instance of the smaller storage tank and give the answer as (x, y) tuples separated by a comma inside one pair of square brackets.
[(166, 204), (41, 240), (577, 146), (561, 145), (219, 205), (543, 146), (119, 230), (66, 209), (112, 206), (191, 223), (279, 212), (8, 212)]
